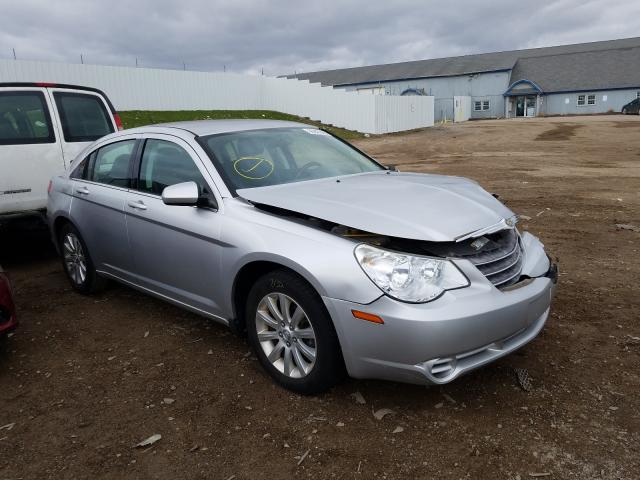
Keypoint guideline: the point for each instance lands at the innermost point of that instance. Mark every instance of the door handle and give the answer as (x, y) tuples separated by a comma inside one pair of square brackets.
[(82, 191), (139, 205)]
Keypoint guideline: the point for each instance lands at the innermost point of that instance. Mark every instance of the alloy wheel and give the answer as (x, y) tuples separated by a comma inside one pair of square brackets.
[(74, 258), (286, 335)]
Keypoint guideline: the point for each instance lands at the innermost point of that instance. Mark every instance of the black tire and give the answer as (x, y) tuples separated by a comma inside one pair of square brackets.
[(91, 282), (328, 368)]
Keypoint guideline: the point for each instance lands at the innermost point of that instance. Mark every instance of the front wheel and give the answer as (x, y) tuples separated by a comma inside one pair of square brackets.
[(77, 262), (624, 111), (292, 334)]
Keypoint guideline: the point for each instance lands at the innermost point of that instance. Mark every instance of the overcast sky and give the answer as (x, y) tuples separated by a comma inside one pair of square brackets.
[(284, 36)]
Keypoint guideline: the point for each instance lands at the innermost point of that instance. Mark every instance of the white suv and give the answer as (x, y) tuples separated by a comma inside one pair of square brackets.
[(43, 126)]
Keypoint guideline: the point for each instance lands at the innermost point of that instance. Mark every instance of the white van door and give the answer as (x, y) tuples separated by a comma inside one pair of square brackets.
[(83, 117), (29, 152)]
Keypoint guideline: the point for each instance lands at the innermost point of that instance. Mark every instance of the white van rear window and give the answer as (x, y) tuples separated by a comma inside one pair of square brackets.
[(84, 117), (24, 118)]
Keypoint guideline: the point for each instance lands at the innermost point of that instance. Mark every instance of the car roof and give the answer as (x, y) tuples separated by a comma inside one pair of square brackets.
[(212, 127)]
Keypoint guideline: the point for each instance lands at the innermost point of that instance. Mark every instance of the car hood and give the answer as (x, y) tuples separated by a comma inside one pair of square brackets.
[(405, 205)]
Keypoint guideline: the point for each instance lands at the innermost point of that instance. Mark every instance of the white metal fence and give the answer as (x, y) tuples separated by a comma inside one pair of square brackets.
[(156, 89)]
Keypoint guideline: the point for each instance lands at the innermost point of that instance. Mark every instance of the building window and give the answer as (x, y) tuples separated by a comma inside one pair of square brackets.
[(586, 100), (480, 105)]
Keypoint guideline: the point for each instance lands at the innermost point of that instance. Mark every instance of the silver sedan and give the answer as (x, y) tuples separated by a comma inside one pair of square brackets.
[(328, 261)]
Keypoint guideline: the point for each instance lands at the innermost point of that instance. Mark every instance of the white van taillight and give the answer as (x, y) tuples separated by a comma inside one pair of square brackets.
[(116, 117), (50, 187)]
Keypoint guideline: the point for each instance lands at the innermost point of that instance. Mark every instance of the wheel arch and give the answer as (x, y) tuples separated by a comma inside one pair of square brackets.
[(56, 226), (247, 275)]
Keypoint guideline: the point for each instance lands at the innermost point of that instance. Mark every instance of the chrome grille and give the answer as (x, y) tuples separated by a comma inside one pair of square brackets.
[(505, 270), (498, 255), (501, 260)]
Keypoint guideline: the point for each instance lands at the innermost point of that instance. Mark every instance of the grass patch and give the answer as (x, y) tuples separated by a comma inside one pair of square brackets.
[(138, 118)]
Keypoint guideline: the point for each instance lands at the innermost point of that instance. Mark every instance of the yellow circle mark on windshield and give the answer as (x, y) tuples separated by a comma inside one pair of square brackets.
[(253, 168)]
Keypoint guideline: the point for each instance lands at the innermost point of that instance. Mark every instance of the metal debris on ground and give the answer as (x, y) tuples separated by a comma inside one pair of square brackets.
[(398, 430), (359, 398), (304, 455), (544, 474), (449, 398), (8, 426), (149, 441), (627, 226), (523, 378), (380, 414)]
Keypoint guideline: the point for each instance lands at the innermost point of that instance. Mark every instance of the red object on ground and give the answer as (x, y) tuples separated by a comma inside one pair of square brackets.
[(8, 320)]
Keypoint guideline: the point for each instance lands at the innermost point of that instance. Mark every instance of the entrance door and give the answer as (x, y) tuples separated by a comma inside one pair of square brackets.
[(520, 110), (531, 106)]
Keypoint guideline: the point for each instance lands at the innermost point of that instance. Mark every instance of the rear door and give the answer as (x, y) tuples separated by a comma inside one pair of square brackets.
[(83, 117), (29, 154), (100, 182)]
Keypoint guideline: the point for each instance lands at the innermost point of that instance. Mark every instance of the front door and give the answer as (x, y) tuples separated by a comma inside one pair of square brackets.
[(29, 152), (176, 249), (520, 107), (530, 106)]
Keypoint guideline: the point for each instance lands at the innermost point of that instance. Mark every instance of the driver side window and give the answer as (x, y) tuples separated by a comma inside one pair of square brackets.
[(163, 164)]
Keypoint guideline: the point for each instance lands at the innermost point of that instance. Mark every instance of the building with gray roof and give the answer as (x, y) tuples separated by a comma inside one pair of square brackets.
[(594, 77)]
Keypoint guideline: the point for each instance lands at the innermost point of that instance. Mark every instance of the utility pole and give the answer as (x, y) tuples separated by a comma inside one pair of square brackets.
[(81, 59), (136, 62), (14, 53), (224, 68), (184, 66)]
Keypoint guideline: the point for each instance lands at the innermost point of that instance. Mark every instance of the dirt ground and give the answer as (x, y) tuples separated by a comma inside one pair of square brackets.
[(84, 379)]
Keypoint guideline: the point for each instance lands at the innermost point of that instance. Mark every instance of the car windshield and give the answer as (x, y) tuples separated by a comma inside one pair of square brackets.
[(259, 158)]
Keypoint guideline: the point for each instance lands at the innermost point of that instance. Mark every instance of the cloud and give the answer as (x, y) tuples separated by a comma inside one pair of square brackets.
[(285, 36)]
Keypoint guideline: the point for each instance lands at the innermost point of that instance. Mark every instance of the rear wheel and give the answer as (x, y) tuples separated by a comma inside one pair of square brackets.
[(77, 262), (292, 335)]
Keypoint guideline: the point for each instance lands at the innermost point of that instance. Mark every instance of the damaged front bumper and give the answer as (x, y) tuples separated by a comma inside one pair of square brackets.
[(436, 342)]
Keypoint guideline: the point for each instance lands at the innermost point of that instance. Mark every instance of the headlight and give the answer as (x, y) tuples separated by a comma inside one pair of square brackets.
[(407, 277)]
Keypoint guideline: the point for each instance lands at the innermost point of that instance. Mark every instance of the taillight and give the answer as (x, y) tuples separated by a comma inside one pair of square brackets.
[(45, 84), (116, 117), (50, 187)]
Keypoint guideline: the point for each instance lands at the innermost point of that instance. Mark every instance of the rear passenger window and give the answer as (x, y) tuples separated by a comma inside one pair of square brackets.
[(24, 119), (111, 164), (84, 117), (165, 163), (81, 170)]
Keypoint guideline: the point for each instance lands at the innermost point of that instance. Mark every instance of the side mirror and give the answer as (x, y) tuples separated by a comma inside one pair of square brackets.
[(185, 194)]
